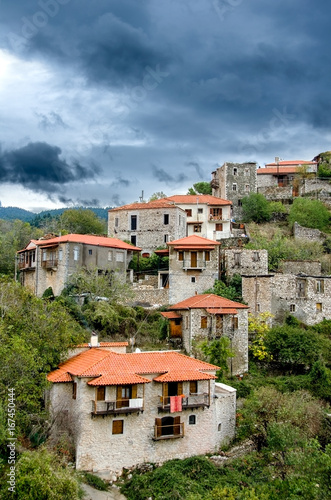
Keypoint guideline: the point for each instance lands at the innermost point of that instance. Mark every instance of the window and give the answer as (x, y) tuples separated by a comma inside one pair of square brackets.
[(234, 187), (246, 171), (101, 393), (203, 323), (216, 212), (247, 189), (197, 228), (235, 171), (179, 219), (219, 427), (110, 255), (133, 240), (192, 420), (166, 237), (200, 210), (116, 221), (44, 256), (318, 306), (301, 288), (193, 280), (292, 308), (90, 252), (188, 212), (193, 387), (133, 222), (60, 254), (118, 426), (119, 257), (237, 258), (219, 227), (256, 256), (181, 256), (240, 203), (168, 426), (235, 323), (74, 390), (166, 219), (257, 308), (319, 286), (207, 255), (76, 253)]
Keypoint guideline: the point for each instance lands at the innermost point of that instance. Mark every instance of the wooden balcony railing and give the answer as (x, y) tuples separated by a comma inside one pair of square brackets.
[(201, 400), (48, 264), (27, 265), (118, 406), (173, 431)]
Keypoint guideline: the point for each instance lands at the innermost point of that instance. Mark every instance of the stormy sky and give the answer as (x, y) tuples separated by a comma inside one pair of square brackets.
[(101, 100)]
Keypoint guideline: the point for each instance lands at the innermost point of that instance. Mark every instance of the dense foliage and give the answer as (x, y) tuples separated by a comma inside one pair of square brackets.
[(256, 208), (309, 213), (201, 187), (232, 289)]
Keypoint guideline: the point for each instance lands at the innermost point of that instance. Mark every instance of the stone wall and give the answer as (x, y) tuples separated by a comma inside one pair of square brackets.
[(97, 449), (279, 294), (274, 192), (307, 233), (312, 267), (242, 261), (191, 329), (151, 231)]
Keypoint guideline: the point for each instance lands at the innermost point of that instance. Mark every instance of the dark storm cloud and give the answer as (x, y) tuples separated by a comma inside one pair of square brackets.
[(163, 176), (38, 166)]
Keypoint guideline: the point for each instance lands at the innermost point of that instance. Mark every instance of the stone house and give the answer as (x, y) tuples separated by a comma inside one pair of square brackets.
[(207, 216), (210, 316), (193, 266), (243, 261), (306, 297), (49, 262), (124, 409), (149, 225), (234, 181)]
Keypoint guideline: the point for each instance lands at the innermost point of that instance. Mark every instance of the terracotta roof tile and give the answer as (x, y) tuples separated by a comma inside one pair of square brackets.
[(162, 203), (180, 376), (87, 239), (110, 368), (210, 301), (283, 163), (275, 170), (194, 241), (190, 199), (170, 315)]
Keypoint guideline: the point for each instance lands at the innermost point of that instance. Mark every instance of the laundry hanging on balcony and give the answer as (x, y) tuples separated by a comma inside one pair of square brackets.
[(175, 403)]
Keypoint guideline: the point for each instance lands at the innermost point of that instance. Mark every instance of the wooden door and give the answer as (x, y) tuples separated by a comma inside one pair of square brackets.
[(194, 259)]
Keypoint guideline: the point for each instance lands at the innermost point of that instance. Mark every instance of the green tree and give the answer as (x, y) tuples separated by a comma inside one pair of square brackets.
[(258, 327), (158, 195), (82, 221), (256, 208), (231, 291), (324, 166), (309, 213), (41, 475), (200, 188), (218, 352)]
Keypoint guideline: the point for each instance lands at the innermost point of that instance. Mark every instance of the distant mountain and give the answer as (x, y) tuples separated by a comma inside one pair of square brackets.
[(12, 213)]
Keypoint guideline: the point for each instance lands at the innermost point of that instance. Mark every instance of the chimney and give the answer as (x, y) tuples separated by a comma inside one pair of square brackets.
[(277, 159), (94, 340)]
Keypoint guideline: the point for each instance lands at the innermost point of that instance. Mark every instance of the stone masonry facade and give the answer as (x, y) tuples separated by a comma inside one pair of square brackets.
[(243, 261), (308, 298)]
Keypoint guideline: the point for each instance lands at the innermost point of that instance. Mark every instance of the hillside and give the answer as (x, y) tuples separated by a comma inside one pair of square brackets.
[(13, 213)]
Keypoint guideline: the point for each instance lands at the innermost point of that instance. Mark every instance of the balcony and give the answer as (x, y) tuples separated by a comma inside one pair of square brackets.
[(117, 407), (201, 400), (194, 264), (27, 266), (49, 264), (172, 431)]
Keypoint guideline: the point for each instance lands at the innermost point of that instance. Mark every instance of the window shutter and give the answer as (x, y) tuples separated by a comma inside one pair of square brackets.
[(158, 424), (101, 392), (165, 392), (179, 388), (134, 391), (74, 390), (119, 396), (193, 387), (176, 426), (117, 426)]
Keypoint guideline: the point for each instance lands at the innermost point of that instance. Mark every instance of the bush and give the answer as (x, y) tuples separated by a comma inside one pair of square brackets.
[(256, 208), (95, 481), (309, 213)]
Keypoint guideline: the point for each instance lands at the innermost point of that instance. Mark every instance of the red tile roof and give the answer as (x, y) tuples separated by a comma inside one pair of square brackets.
[(87, 239), (170, 315), (177, 376), (110, 368), (193, 199), (283, 163), (163, 203), (194, 242), (275, 170), (208, 301)]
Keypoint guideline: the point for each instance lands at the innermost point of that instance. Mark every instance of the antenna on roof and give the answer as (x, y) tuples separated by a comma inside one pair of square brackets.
[(141, 198)]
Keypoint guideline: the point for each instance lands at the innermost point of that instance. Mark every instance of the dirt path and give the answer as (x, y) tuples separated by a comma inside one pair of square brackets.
[(93, 494)]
